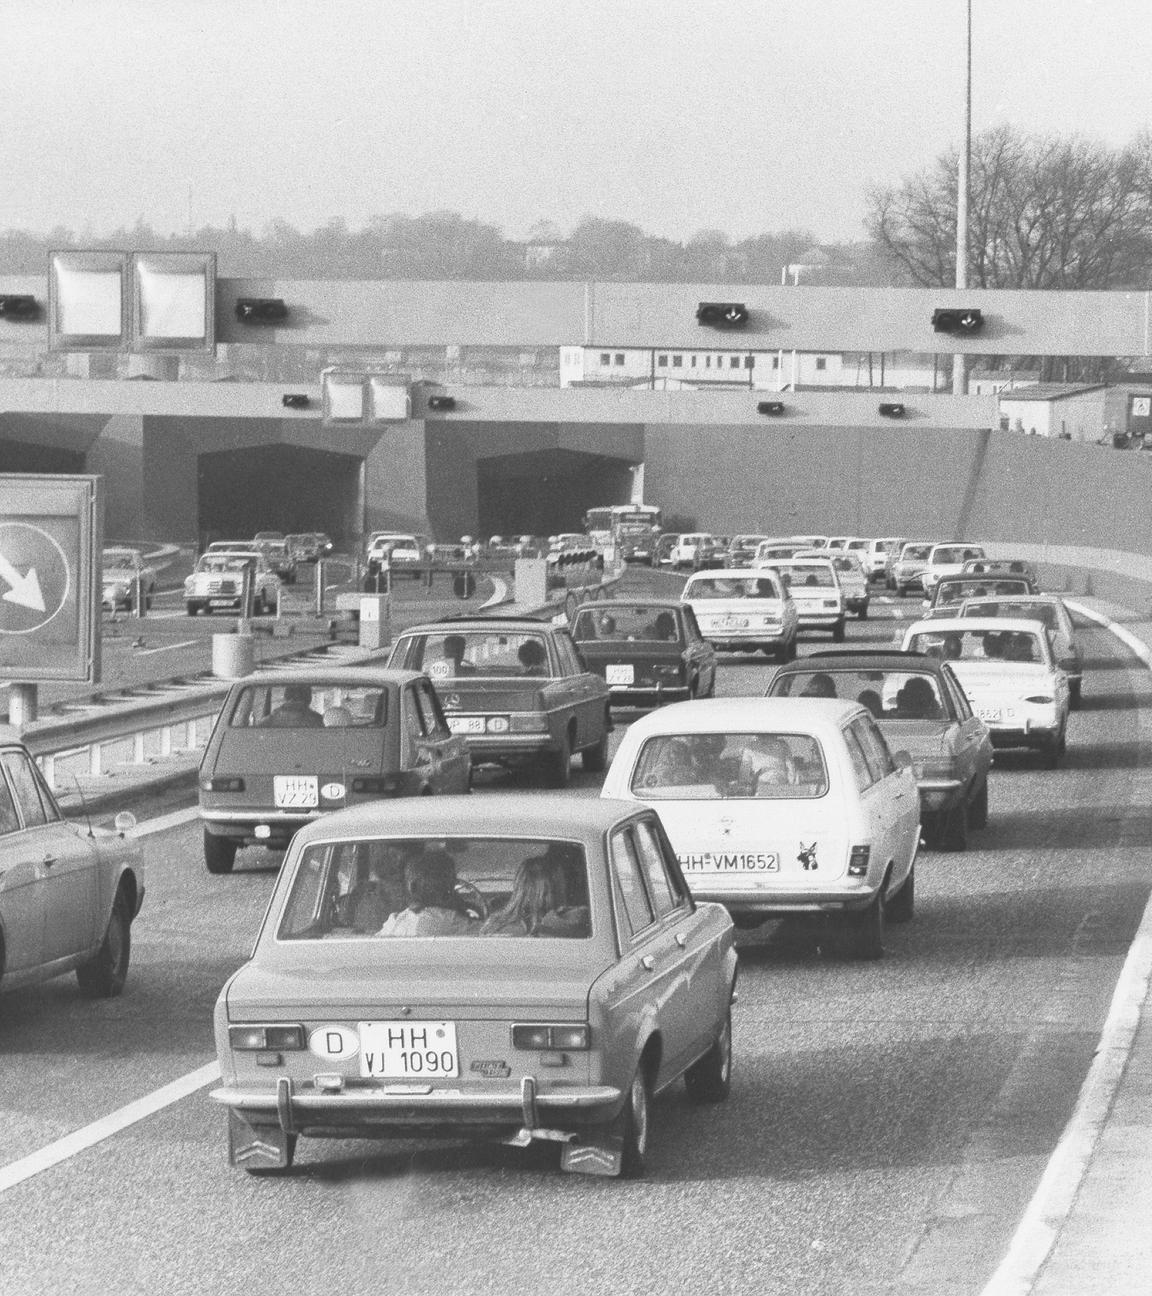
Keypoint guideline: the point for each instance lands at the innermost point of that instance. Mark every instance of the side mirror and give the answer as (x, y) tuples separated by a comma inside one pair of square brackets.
[(125, 822)]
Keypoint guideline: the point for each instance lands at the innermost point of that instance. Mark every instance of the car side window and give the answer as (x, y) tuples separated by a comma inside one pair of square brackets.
[(860, 767), (9, 819), (876, 750), (413, 719), (26, 788), (570, 662), (637, 914), (691, 624), (959, 698), (434, 723), (660, 887)]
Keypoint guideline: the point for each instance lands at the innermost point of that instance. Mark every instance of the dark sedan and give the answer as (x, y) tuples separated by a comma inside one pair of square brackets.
[(648, 651), (920, 708)]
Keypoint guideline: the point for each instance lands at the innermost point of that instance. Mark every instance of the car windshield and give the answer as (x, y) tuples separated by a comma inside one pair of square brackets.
[(309, 706), (915, 552), (817, 577), (619, 623), (979, 587), (731, 587), (445, 654), (491, 887), (950, 555), (223, 563), (979, 645), (1043, 612), (888, 694), (729, 766)]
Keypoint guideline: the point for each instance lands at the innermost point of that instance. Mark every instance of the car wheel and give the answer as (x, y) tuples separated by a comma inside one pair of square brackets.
[(103, 976), (635, 1127), (838, 631), (862, 615), (1050, 755), (193, 608), (594, 760), (863, 931), (558, 768), (903, 904), (710, 1079), (978, 811), (953, 832), (1074, 695), (219, 853)]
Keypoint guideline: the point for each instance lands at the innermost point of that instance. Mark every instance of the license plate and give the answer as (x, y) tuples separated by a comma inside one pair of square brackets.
[(732, 623), (402, 1050), (466, 724), (994, 715), (731, 862), (295, 791), (620, 674), (221, 602)]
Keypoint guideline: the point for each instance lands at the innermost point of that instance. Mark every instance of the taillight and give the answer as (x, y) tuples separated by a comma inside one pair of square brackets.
[(220, 784), (382, 785), (528, 722), (858, 861), (563, 1038), (261, 1038)]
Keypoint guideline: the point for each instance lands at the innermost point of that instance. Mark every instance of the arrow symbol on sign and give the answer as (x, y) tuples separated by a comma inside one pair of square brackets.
[(25, 590)]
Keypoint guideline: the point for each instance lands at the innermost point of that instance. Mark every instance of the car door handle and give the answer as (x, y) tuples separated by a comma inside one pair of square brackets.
[(647, 962)]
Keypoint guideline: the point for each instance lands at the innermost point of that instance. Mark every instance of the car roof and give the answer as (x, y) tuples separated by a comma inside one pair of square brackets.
[(746, 714), (1016, 598), (471, 621), (807, 562), (943, 625), (606, 605), (870, 658), (497, 813), (743, 573), (340, 676)]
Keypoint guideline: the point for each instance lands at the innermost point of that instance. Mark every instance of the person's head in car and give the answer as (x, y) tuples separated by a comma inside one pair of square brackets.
[(665, 626), (532, 656), (821, 685), (917, 700)]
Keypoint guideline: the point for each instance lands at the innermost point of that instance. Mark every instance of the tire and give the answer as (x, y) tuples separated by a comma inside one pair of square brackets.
[(978, 810), (1050, 755), (1074, 695), (953, 832), (103, 976), (838, 632), (219, 853), (862, 615), (193, 608), (558, 767), (902, 906), (863, 932), (710, 1079), (594, 760), (636, 1123)]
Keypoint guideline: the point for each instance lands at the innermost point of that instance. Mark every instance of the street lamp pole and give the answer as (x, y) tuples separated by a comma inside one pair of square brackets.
[(960, 362)]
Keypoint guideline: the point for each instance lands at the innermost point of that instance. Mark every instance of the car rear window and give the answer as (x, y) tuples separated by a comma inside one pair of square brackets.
[(888, 694), (797, 577), (730, 766), (618, 623), (1043, 612), (915, 552), (979, 645), (452, 653), (732, 587), (309, 706), (485, 887)]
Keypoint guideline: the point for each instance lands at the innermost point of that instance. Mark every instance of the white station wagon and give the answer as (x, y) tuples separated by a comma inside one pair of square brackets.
[(778, 806), (742, 610), (1007, 668)]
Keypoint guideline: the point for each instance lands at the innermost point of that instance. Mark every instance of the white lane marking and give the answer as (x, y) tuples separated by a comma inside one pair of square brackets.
[(1051, 1205), (80, 1140), (162, 823), (184, 643)]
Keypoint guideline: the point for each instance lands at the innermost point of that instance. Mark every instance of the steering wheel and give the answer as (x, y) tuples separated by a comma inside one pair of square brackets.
[(473, 898)]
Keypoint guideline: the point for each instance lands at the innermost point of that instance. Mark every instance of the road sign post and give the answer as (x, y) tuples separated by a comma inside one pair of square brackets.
[(51, 531)]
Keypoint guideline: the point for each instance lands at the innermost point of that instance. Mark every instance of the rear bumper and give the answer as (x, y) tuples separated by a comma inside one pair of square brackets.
[(938, 793), (1032, 736), (629, 695), (241, 825), (820, 620), (837, 899)]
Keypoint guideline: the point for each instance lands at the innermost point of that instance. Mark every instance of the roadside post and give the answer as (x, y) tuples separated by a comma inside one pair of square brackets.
[(320, 587), (51, 533), (375, 620), (139, 597), (530, 582)]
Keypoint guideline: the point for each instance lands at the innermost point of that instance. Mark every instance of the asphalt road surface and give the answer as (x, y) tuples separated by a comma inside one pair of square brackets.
[(887, 1125)]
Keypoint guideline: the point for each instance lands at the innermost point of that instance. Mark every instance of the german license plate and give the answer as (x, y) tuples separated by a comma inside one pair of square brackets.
[(295, 791), (731, 862), (620, 674), (732, 623), (402, 1050), (994, 715), (466, 724)]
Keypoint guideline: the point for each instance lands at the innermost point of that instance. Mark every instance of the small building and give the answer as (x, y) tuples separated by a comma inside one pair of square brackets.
[(1071, 411)]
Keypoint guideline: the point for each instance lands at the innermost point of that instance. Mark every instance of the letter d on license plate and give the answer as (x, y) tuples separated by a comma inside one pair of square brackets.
[(401, 1050)]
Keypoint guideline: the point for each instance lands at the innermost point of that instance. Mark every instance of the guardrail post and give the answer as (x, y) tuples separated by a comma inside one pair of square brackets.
[(141, 601), (138, 748), (166, 740), (320, 588)]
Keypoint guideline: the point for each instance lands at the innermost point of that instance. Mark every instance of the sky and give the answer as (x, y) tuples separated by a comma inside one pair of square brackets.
[(674, 116)]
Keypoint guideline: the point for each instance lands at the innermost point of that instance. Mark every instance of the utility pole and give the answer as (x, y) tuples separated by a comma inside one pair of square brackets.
[(960, 362)]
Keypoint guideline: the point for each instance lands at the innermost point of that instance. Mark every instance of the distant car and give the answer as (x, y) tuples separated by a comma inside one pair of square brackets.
[(779, 806), (907, 572), (68, 892), (1010, 676), (742, 550), (850, 573), (516, 689), (554, 972), (229, 546), (399, 552), (744, 610), (950, 591), (920, 708), (947, 560), (770, 552), (664, 548), (279, 557), (288, 748), (125, 572), (649, 651), (1051, 611), (693, 551), (451, 554), (881, 554), (308, 546), (269, 535), (217, 583), (815, 589)]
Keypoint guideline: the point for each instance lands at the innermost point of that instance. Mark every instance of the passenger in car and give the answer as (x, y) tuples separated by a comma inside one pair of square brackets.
[(532, 657), (917, 700), (767, 764), (337, 717), (821, 685), (429, 885), (537, 905), (871, 699), (295, 712), (454, 648)]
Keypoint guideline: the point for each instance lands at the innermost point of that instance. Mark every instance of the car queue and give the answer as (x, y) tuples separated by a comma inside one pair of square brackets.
[(715, 814)]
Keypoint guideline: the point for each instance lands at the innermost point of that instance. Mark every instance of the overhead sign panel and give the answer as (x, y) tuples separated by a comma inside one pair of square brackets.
[(87, 301), (50, 541), (174, 296)]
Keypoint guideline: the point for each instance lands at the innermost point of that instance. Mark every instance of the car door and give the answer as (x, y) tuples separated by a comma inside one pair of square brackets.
[(450, 763), (896, 798), (699, 655), (22, 898), (587, 691), (65, 861), (974, 746)]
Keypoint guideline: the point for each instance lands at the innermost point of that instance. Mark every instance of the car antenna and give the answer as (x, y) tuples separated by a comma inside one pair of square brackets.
[(84, 805)]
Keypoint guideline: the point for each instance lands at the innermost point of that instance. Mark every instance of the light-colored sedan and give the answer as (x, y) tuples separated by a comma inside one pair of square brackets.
[(780, 806), (947, 560), (907, 571), (1051, 611), (851, 575), (816, 591), (127, 576), (1010, 675), (513, 968), (744, 611), (68, 893)]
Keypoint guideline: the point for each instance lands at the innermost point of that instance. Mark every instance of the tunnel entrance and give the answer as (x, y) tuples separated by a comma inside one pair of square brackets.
[(279, 488), (546, 491), (24, 457)]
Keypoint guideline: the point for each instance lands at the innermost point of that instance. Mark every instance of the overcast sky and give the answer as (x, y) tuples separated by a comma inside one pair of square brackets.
[(675, 115)]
